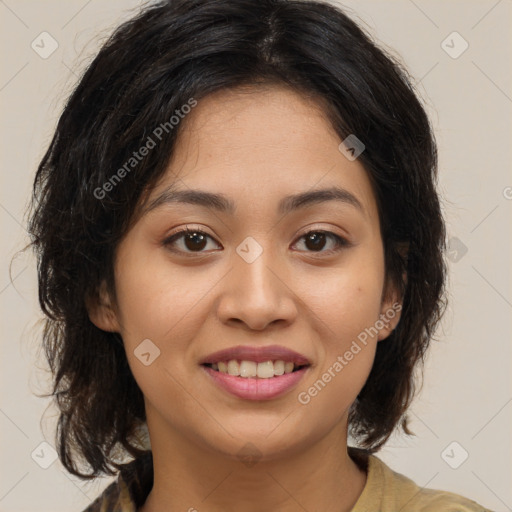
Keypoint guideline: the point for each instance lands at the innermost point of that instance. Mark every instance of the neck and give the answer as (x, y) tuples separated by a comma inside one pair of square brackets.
[(190, 478)]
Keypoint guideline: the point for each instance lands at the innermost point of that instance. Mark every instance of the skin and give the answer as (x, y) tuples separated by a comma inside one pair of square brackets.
[(255, 146)]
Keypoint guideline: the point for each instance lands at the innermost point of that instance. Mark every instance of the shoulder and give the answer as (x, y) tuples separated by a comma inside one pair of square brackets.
[(115, 497), (429, 500), (129, 491), (389, 491)]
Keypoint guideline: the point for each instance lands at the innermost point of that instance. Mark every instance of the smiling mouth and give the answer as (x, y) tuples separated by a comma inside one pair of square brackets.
[(252, 369)]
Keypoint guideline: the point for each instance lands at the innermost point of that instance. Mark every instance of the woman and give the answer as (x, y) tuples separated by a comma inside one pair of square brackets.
[(240, 253)]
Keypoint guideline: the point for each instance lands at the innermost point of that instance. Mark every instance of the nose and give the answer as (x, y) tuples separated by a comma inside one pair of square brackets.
[(258, 293)]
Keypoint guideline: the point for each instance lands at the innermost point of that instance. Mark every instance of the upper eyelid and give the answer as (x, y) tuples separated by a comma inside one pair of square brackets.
[(203, 231)]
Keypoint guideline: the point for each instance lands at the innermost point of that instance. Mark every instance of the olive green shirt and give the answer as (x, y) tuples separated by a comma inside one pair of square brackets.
[(385, 490), (388, 491)]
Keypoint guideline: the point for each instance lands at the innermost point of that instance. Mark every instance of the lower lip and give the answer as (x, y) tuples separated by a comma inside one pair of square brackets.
[(255, 388)]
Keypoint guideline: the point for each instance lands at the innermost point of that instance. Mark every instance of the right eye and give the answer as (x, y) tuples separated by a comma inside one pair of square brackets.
[(193, 241)]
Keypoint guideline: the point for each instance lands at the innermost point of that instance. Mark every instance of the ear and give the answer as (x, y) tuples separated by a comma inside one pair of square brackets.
[(101, 310), (391, 303)]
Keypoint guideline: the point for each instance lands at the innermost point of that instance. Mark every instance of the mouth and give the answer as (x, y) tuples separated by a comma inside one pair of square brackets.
[(256, 373), (252, 369)]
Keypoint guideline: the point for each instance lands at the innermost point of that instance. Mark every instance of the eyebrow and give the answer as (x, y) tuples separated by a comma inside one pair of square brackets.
[(223, 204)]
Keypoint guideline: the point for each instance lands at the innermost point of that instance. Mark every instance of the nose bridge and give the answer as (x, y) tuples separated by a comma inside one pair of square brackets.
[(252, 263), (256, 294)]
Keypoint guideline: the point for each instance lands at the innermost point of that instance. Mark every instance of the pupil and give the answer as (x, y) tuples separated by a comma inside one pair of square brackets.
[(315, 238), (194, 237)]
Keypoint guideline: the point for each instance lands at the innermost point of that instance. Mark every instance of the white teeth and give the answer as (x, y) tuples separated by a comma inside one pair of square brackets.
[(264, 370), (248, 369), (233, 367), (288, 367), (278, 367)]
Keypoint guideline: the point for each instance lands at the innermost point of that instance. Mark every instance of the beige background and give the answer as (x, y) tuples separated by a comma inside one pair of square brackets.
[(467, 395)]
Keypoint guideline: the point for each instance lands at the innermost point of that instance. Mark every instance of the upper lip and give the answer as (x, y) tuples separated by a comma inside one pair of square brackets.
[(257, 354)]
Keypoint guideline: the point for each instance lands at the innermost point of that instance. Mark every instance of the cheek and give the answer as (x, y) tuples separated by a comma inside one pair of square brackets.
[(162, 305), (155, 299), (348, 307), (349, 296), (167, 305)]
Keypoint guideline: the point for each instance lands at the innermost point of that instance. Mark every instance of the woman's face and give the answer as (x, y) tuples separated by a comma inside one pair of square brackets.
[(271, 271)]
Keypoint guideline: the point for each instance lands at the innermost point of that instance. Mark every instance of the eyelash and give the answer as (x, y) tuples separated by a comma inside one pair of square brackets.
[(169, 241)]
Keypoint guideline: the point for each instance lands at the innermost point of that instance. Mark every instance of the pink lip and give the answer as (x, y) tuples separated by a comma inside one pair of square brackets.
[(257, 354), (256, 388)]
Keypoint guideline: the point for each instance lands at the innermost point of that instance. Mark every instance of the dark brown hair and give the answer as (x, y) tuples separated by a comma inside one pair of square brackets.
[(150, 67)]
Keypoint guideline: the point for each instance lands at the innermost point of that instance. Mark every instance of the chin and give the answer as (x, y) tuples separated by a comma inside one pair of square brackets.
[(260, 442)]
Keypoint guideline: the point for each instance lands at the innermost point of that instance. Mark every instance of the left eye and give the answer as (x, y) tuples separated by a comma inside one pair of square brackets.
[(316, 240), (194, 241)]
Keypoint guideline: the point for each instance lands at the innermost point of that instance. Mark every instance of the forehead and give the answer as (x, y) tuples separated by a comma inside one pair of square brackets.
[(259, 144)]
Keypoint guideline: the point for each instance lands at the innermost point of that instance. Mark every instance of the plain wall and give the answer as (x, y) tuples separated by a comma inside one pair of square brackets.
[(467, 392)]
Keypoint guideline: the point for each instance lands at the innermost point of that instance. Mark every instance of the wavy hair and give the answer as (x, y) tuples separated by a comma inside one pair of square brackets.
[(150, 67)]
